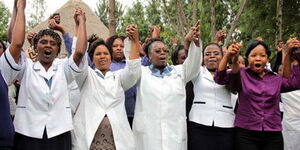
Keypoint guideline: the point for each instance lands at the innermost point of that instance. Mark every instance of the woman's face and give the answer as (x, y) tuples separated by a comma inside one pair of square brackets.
[(181, 56), (159, 55), (212, 57), (118, 47), (241, 61), (258, 59), (47, 49), (102, 58)]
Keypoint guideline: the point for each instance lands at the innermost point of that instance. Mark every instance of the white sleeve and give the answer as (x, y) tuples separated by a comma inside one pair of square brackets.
[(9, 68), (130, 74), (74, 72), (191, 65), (127, 48)]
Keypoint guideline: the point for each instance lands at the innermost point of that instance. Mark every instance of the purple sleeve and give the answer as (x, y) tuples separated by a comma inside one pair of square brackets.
[(68, 42), (222, 77), (293, 82), (145, 61)]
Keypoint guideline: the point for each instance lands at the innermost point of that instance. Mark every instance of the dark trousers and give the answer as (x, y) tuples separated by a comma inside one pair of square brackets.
[(130, 120), (202, 137), (5, 148), (258, 140), (60, 142)]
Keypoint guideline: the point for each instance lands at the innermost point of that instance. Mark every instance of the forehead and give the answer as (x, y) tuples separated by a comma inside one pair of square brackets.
[(212, 48), (47, 37), (118, 40), (158, 45), (258, 49), (101, 48)]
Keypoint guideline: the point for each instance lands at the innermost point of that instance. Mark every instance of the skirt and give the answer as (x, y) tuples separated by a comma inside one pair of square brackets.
[(103, 139), (60, 142)]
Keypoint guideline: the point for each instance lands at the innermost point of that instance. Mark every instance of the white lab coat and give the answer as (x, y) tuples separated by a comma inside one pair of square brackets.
[(160, 116), (291, 120), (100, 97), (39, 106), (212, 103)]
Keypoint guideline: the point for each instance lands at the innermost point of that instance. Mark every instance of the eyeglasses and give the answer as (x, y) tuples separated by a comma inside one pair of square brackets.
[(212, 53), (52, 43)]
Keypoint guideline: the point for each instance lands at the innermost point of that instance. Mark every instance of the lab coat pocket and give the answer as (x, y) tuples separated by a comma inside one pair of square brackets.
[(139, 124)]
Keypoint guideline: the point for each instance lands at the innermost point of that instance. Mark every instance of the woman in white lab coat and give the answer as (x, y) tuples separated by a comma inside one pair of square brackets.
[(160, 116), (100, 120), (43, 116)]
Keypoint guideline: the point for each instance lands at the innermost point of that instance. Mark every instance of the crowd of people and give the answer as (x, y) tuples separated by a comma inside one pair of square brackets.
[(122, 94)]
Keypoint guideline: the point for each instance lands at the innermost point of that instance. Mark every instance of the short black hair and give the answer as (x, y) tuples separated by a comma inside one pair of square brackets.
[(255, 43), (174, 56), (95, 44), (110, 40), (47, 32), (4, 46), (148, 43)]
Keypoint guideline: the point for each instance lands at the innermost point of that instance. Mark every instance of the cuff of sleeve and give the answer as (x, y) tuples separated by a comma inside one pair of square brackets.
[(11, 62), (133, 63), (127, 48), (74, 44), (74, 67)]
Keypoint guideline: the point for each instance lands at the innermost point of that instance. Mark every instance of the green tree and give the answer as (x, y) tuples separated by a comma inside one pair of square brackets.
[(102, 12), (136, 15), (37, 14), (5, 14)]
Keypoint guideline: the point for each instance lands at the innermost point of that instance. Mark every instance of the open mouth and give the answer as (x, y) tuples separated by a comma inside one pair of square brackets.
[(102, 62), (257, 65), (48, 52)]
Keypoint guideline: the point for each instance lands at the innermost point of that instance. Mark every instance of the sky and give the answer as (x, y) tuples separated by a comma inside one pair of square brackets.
[(53, 5)]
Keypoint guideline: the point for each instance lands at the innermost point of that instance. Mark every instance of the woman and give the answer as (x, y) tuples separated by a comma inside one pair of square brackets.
[(211, 117), (160, 120), (7, 129), (100, 121), (43, 116), (119, 62), (258, 118)]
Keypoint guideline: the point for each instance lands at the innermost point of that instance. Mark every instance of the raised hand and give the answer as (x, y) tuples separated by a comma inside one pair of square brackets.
[(234, 50), (220, 36), (79, 16), (132, 33), (21, 4), (29, 37), (155, 31), (193, 34), (291, 45)]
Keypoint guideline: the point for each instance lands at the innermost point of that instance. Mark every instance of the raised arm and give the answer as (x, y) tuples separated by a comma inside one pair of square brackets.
[(290, 51), (81, 43), (132, 71), (232, 51), (191, 65), (18, 31), (12, 21)]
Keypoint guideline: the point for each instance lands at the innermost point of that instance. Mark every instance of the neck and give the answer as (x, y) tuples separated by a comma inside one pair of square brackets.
[(46, 65)]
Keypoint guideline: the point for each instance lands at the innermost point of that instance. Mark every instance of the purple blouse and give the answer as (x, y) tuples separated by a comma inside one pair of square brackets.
[(259, 97)]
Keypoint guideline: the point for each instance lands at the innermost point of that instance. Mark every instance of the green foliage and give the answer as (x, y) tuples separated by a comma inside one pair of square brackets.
[(102, 12), (37, 14), (5, 14)]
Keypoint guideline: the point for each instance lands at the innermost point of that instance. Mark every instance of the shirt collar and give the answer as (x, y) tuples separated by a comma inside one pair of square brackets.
[(156, 72), (100, 74), (267, 71)]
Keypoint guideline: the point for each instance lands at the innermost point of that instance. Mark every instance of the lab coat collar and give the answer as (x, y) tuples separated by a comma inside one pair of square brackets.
[(39, 68)]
